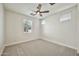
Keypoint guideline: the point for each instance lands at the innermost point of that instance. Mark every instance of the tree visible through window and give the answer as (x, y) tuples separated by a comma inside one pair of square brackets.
[(27, 26)]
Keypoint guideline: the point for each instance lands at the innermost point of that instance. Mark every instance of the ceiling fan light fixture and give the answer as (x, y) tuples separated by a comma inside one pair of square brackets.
[(38, 13)]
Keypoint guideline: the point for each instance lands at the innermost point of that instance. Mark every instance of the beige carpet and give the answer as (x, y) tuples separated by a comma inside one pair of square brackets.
[(38, 48)]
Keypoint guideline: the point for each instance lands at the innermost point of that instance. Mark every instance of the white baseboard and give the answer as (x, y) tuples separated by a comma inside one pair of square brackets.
[(1, 50), (14, 43), (48, 39)]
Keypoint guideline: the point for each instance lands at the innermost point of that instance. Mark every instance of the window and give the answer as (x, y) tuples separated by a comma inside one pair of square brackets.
[(65, 17), (27, 26)]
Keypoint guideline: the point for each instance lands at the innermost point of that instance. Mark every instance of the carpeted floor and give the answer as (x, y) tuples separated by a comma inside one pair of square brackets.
[(38, 48)]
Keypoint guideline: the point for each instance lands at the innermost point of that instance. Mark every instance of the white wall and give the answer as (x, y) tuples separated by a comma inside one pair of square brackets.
[(14, 28), (78, 29), (61, 32), (1, 28)]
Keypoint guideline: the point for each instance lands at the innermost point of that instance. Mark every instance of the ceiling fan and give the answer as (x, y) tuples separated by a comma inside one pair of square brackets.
[(38, 11)]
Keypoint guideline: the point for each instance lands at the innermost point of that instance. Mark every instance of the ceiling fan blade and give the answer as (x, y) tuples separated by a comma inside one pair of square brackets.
[(44, 11), (39, 6), (51, 3), (32, 14)]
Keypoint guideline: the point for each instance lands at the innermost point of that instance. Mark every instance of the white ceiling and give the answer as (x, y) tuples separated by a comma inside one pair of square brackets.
[(27, 8)]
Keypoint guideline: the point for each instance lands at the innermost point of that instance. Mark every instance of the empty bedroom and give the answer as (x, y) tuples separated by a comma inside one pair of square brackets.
[(39, 29)]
